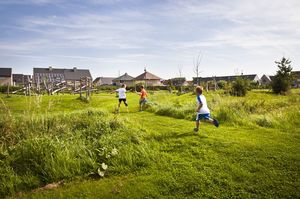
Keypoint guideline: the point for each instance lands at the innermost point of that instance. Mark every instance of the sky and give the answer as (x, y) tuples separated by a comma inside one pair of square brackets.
[(111, 37)]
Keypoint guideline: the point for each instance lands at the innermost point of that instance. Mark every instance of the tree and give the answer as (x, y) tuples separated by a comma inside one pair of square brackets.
[(222, 84), (240, 87), (180, 70), (197, 63), (282, 80)]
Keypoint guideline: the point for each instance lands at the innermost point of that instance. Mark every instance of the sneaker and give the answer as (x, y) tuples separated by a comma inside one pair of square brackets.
[(216, 123), (196, 130)]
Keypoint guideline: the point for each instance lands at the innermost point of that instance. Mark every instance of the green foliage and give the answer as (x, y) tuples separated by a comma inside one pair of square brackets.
[(3, 89), (47, 149), (254, 152), (221, 84), (240, 87), (254, 85), (106, 88), (281, 82)]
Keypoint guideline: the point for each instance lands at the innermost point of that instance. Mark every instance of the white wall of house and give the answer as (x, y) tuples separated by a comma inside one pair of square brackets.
[(152, 82)]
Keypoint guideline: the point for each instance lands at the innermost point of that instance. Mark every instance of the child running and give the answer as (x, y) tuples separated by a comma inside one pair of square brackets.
[(202, 110), (143, 98), (122, 96)]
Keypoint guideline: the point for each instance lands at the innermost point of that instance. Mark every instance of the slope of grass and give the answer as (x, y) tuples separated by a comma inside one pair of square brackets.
[(254, 153), (175, 163)]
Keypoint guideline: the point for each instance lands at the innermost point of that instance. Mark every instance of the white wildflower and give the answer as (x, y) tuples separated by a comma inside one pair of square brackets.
[(100, 173), (104, 166), (114, 152)]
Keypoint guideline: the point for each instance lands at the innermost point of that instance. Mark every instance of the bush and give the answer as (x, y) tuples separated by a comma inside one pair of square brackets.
[(222, 84), (38, 150), (240, 87), (3, 89), (282, 80), (280, 85)]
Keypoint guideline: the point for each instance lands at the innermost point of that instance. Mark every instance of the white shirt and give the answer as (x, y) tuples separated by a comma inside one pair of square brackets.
[(202, 100), (122, 93)]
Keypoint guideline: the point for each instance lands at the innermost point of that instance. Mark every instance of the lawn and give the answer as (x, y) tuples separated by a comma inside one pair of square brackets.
[(255, 153)]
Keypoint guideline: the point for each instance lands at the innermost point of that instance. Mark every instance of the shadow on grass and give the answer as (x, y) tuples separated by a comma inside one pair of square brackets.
[(174, 135)]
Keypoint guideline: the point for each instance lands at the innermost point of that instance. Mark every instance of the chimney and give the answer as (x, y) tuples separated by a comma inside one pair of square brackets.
[(74, 69), (145, 70), (50, 68)]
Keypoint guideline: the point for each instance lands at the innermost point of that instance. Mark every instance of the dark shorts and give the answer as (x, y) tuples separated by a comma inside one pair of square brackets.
[(203, 116), (143, 101), (124, 100)]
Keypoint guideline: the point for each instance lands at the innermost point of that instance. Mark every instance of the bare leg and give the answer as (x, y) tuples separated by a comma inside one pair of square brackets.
[(210, 120), (141, 106), (197, 126), (213, 122), (119, 107)]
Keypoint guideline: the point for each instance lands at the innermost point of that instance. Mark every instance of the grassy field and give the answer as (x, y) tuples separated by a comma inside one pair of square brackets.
[(255, 153)]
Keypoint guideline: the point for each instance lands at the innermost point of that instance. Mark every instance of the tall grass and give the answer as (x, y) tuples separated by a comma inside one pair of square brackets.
[(258, 109), (40, 145), (40, 149)]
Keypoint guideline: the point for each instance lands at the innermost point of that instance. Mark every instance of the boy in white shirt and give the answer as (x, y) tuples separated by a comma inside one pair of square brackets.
[(122, 96), (202, 110)]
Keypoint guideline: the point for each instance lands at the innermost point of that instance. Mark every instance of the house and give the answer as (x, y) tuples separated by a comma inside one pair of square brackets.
[(59, 75), (6, 76), (20, 79), (265, 80), (101, 81), (199, 80), (295, 82), (148, 79), (296, 79), (189, 82), (124, 79)]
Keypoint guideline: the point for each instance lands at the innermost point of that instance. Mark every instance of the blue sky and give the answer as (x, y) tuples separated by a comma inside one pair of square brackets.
[(117, 36)]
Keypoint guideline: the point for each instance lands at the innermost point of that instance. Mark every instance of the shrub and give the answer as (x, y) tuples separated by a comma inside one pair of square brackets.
[(282, 80), (240, 87), (222, 84), (3, 89), (44, 148)]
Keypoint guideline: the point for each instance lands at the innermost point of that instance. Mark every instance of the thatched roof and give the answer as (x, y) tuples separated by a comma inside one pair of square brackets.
[(124, 77), (147, 76), (104, 80)]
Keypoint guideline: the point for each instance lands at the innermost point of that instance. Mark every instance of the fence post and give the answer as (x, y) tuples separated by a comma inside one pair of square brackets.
[(7, 89), (80, 88)]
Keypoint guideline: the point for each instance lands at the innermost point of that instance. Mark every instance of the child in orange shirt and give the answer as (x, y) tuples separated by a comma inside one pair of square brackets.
[(143, 98)]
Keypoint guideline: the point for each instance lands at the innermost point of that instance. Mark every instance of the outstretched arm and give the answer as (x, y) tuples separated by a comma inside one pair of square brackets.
[(115, 91)]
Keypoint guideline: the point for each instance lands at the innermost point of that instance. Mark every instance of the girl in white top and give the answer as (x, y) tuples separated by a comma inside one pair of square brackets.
[(202, 110), (122, 96)]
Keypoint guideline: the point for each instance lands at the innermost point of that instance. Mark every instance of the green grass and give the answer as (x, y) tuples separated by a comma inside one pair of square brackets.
[(255, 152)]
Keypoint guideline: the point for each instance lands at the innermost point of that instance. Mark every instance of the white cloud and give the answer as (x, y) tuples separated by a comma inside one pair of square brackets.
[(36, 2), (168, 33)]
